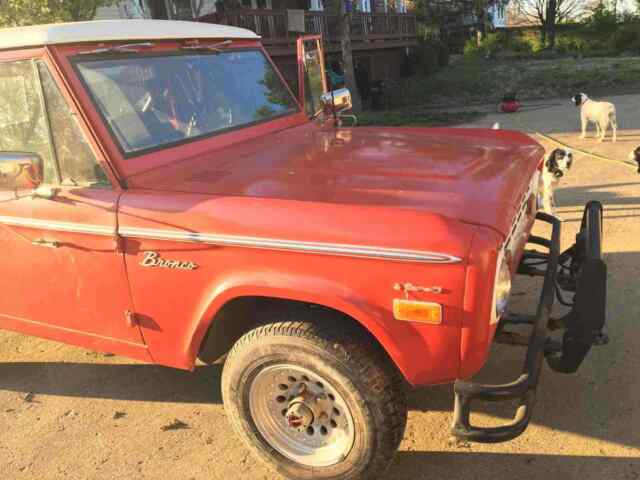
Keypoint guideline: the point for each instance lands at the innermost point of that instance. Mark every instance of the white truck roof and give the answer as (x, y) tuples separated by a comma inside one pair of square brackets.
[(115, 30)]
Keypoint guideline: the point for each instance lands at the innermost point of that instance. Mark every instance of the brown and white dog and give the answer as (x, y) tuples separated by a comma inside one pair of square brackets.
[(558, 164), (634, 156), (603, 114)]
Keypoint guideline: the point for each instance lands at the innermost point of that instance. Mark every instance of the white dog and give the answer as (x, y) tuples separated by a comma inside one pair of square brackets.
[(602, 114), (555, 167)]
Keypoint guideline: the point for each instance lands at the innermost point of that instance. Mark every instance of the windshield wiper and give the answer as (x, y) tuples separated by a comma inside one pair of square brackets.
[(127, 48), (214, 47)]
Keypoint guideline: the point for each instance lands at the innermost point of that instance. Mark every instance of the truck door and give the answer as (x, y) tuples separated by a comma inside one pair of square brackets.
[(312, 80), (62, 276)]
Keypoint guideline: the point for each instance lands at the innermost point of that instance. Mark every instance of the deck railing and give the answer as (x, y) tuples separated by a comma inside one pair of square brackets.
[(272, 25)]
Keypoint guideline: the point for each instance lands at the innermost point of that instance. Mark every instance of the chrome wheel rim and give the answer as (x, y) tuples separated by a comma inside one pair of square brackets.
[(301, 415)]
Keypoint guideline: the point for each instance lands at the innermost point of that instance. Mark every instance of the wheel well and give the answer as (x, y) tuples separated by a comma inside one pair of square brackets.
[(238, 316)]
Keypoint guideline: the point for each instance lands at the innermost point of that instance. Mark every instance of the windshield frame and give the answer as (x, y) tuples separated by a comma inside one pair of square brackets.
[(77, 59)]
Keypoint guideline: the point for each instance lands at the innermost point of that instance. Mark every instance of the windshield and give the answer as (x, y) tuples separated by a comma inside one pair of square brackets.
[(154, 101)]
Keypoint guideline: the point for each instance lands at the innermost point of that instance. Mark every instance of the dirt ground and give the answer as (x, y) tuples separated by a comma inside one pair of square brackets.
[(70, 413)]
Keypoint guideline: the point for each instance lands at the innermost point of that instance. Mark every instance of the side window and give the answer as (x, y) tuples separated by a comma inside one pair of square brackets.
[(78, 165), (23, 126)]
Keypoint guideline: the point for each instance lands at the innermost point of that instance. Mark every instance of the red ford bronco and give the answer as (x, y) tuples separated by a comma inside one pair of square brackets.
[(165, 196)]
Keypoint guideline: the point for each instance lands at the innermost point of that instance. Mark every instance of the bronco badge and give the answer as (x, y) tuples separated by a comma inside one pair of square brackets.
[(153, 259)]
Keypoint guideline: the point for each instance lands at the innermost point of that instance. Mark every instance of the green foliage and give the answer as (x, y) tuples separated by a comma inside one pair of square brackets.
[(428, 57), (424, 58), (490, 46), (599, 36), (471, 49), (603, 20), (570, 44), (414, 117), (443, 52), (14, 13), (626, 38), (525, 46), (485, 82)]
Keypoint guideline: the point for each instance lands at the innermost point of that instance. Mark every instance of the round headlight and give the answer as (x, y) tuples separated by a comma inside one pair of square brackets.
[(502, 288), (541, 191)]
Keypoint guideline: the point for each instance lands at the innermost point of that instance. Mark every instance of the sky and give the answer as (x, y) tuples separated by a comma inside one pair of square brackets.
[(627, 5)]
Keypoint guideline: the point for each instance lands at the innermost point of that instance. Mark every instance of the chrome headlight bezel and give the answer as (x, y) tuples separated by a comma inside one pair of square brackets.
[(501, 288), (542, 189)]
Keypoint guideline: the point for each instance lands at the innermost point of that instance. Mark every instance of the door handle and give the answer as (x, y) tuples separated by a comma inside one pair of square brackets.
[(41, 242)]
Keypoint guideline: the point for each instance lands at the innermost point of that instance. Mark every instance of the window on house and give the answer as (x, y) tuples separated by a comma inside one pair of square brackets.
[(362, 5), (78, 165), (316, 6)]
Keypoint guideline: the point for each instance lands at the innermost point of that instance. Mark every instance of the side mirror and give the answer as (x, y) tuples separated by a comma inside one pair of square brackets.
[(20, 171), (337, 101)]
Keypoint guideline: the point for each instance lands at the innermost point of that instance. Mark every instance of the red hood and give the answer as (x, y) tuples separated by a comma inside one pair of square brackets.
[(475, 176)]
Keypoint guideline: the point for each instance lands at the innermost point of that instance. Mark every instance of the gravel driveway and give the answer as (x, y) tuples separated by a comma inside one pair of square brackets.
[(69, 413)]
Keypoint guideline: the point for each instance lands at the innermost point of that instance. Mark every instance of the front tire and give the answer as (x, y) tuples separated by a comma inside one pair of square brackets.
[(316, 397)]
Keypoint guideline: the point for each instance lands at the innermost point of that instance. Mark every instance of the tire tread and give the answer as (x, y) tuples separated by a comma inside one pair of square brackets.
[(358, 350)]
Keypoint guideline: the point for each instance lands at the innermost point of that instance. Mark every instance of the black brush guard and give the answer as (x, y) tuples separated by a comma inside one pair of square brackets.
[(579, 269)]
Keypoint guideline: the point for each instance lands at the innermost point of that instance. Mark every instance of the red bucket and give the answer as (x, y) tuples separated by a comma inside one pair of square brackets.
[(510, 107)]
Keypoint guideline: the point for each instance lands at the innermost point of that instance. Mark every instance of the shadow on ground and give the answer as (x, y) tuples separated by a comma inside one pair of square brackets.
[(489, 466)]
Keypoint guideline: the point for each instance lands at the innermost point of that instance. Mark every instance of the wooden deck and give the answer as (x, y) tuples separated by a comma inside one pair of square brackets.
[(370, 31)]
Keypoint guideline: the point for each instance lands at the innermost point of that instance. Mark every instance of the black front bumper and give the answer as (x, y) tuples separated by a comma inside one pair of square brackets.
[(579, 269)]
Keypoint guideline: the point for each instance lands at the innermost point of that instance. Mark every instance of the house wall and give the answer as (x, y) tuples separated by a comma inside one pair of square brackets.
[(142, 9), (498, 13), (108, 13), (208, 6), (292, 4), (374, 65), (122, 9)]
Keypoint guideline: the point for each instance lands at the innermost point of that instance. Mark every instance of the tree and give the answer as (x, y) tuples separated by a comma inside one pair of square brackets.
[(15, 13), (344, 27), (197, 6), (480, 10), (603, 15), (547, 14)]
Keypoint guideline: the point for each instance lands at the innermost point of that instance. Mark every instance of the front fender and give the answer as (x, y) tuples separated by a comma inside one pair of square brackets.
[(424, 354), (297, 288)]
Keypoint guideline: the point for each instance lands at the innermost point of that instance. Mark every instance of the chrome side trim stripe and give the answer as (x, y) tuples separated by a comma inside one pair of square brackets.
[(289, 245), (236, 241), (59, 226)]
